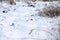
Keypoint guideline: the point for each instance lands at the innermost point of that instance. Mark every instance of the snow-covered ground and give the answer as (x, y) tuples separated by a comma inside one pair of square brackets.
[(21, 22)]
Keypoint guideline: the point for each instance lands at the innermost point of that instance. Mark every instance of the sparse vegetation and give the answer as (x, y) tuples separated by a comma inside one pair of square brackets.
[(12, 2), (50, 11)]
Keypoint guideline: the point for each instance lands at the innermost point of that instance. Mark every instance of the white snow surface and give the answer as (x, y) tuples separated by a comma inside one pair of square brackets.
[(19, 24)]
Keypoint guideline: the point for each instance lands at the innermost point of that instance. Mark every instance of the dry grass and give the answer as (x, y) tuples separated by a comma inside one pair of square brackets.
[(12, 2), (50, 11)]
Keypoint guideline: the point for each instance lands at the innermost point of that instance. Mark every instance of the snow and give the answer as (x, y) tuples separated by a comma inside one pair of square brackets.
[(20, 22)]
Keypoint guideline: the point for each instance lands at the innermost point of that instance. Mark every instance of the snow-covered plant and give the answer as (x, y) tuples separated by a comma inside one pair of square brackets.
[(30, 4)]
